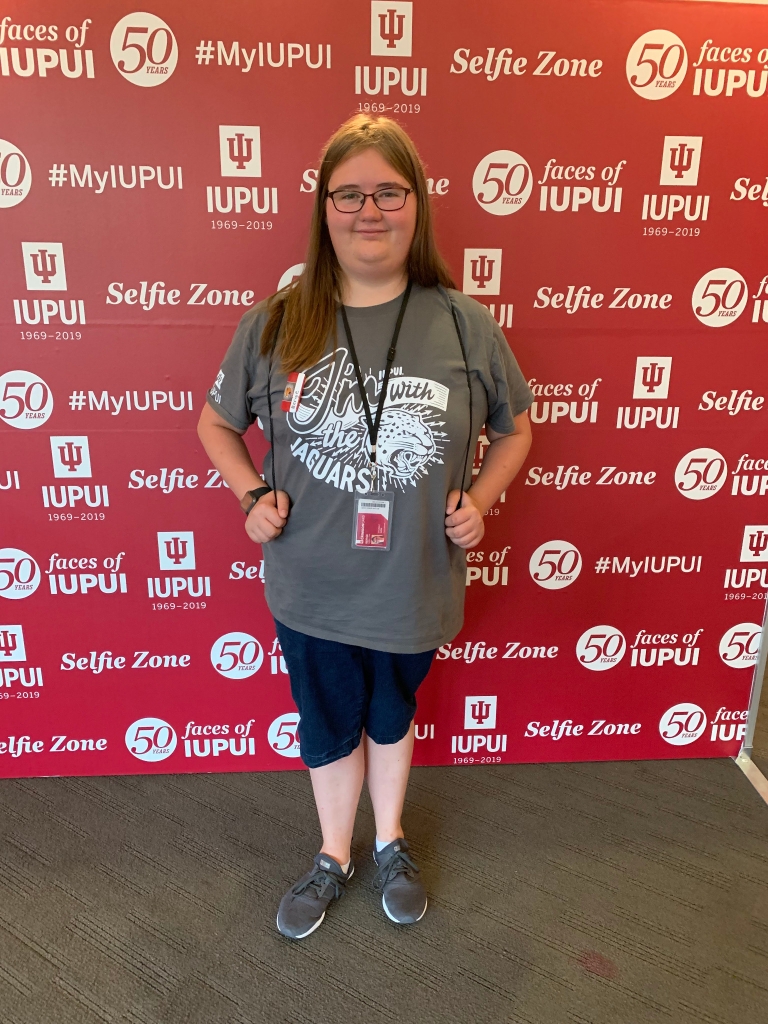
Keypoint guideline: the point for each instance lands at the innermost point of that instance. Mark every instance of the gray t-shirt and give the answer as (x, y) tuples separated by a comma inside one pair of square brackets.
[(410, 598)]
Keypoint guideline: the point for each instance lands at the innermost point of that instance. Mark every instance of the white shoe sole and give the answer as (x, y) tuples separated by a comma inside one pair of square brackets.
[(305, 934), (319, 920), (395, 920)]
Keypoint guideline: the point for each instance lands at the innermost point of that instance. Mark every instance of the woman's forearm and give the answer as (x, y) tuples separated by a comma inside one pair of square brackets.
[(227, 451), (501, 464)]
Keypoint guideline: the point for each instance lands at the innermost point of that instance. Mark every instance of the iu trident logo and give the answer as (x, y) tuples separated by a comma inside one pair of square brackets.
[(391, 27), (758, 543), (176, 550), (680, 159), (44, 268), (480, 712), (44, 265), (653, 377), (754, 544), (8, 641), (482, 270), (240, 150), (71, 456)]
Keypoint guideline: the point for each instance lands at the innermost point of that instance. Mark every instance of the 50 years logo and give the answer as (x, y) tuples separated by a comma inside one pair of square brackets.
[(656, 64), (740, 645), (26, 401), (143, 49), (237, 655), (601, 648), (555, 565), (151, 739), (15, 175), (502, 182), (719, 297), (700, 473), (19, 574), (682, 724)]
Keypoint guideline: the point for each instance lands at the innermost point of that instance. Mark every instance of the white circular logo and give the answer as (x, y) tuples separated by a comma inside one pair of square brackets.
[(601, 648), (502, 182), (237, 655), (656, 64), (719, 297), (19, 574), (26, 401), (682, 724), (15, 175), (739, 646), (143, 49), (555, 565), (151, 739), (283, 736), (701, 473), (290, 275)]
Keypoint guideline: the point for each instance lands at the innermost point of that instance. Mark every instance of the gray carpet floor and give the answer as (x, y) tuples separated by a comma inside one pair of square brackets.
[(619, 893)]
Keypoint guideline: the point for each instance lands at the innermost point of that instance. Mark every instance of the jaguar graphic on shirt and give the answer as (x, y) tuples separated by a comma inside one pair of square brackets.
[(332, 434)]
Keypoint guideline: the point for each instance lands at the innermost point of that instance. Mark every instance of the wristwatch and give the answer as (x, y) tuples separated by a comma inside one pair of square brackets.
[(250, 498)]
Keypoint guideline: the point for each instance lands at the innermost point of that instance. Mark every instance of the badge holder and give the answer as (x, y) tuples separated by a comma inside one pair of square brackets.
[(372, 523)]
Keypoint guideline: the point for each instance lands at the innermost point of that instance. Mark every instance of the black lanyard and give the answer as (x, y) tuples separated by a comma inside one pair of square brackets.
[(373, 424)]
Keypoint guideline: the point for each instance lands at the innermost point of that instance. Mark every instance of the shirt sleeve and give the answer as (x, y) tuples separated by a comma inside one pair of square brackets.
[(512, 394), (236, 380)]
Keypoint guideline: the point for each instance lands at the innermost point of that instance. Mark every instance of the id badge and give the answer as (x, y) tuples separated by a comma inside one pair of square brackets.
[(292, 393), (372, 528)]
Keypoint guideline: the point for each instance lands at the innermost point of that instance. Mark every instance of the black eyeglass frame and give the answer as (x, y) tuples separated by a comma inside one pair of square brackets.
[(371, 195)]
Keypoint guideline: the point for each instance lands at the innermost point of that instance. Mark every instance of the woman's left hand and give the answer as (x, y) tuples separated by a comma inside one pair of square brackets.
[(465, 527)]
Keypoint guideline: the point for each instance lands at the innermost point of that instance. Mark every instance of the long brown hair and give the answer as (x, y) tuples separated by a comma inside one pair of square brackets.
[(309, 304)]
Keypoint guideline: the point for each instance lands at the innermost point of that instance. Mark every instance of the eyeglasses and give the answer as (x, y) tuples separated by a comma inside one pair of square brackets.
[(388, 199)]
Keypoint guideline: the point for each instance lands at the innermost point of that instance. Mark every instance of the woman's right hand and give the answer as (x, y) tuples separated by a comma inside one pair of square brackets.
[(268, 516)]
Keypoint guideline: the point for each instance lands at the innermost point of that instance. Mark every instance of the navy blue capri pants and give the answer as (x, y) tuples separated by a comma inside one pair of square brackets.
[(340, 690)]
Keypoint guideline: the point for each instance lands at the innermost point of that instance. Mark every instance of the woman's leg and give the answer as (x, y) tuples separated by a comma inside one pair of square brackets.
[(337, 788), (388, 767)]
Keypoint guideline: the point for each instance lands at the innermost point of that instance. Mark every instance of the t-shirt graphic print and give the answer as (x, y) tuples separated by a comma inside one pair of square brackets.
[(332, 432)]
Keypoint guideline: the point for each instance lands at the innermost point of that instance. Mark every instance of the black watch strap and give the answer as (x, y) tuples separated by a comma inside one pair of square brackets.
[(250, 498)]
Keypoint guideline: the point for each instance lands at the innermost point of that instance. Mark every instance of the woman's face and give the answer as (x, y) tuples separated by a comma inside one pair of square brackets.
[(372, 243)]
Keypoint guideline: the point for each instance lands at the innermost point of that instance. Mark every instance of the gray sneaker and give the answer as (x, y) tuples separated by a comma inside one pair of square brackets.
[(402, 894), (303, 907)]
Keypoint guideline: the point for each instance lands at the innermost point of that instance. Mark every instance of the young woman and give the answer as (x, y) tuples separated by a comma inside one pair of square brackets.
[(372, 378)]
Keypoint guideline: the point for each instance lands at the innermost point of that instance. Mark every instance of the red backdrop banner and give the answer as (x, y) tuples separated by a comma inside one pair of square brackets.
[(599, 174)]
